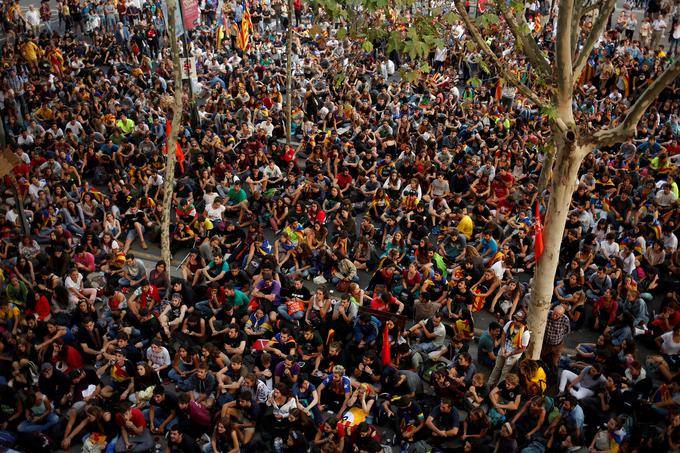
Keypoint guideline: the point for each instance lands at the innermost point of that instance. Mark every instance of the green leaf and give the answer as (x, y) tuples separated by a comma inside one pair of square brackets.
[(523, 28), (412, 76), (367, 46), (395, 42), (517, 5), (471, 46), (341, 33), (338, 79), (474, 82), (422, 49), (425, 68), (376, 34), (451, 18), (486, 20), (550, 111)]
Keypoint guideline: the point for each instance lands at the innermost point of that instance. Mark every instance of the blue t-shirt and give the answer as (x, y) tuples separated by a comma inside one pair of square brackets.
[(346, 384), (575, 417), (489, 247)]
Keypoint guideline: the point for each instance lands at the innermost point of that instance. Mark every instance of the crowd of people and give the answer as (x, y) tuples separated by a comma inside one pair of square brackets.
[(363, 289)]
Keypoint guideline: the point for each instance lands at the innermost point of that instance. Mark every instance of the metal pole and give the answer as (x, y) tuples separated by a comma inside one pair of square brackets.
[(193, 111)]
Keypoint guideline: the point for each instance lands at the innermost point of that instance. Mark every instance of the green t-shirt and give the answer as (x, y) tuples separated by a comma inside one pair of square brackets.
[(238, 300), (236, 197)]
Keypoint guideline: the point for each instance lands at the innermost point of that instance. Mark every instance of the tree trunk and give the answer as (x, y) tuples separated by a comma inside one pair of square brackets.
[(19, 200), (177, 107), (289, 73), (546, 172), (568, 160)]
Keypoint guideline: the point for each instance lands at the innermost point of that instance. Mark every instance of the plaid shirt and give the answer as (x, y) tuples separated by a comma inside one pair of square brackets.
[(556, 330)]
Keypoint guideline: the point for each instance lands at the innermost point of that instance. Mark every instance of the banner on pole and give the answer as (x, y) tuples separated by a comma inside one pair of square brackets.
[(191, 14)]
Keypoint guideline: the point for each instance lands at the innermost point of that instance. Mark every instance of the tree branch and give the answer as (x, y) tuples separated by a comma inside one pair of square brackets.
[(595, 33), (563, 55), (628, 126), (575, 26), (479, 40), (535, 55)]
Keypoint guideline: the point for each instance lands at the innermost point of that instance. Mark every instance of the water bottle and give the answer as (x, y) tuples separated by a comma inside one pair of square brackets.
[(278, 445)]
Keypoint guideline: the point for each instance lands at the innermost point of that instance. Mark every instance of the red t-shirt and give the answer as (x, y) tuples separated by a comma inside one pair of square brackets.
[(43, 308), (378, 304), (146, 297), (136, 417), (86, 259), (344, 180)]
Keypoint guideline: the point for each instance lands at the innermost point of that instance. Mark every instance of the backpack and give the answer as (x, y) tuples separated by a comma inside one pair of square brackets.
[(427, 375)]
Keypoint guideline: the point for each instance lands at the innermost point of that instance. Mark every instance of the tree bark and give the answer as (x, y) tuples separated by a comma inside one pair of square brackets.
[(19, 200), (546, 171), (568, 159), (289, 73), (177, 107)]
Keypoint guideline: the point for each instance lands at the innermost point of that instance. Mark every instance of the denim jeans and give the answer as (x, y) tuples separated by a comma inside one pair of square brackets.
[(49, 421), (182, 383), (159, 417)]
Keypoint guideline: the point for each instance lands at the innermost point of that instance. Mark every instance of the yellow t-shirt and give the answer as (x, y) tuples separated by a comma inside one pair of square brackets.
[(466, 226), (30, 51)]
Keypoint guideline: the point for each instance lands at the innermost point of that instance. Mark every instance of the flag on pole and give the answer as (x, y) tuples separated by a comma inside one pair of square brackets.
[(221, 28), (386, 354), (538, 239), (220, 36), (178, 152), (247, 22), (242, 37)]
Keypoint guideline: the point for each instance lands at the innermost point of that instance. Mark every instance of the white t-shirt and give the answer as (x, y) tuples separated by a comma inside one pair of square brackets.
[(509, 343), (440, 332), (73, 285), (659, 24), (609, 250), (69, 283), (669, 346), (159, 359), (215, 213)]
